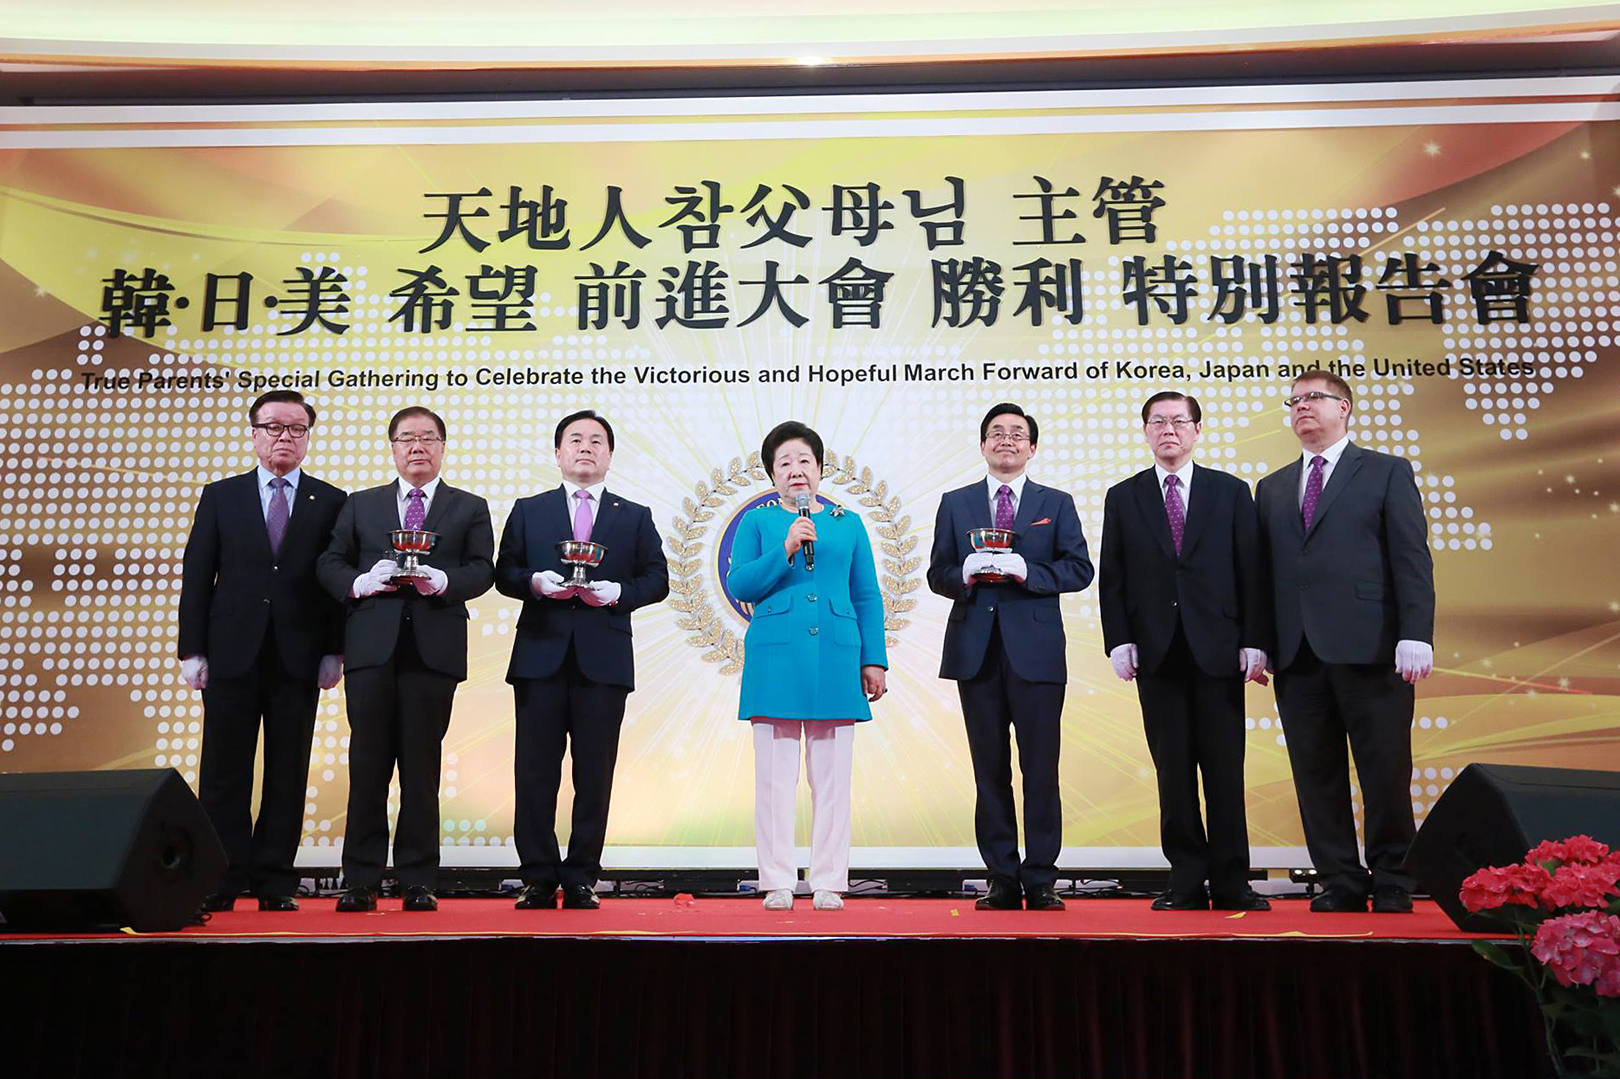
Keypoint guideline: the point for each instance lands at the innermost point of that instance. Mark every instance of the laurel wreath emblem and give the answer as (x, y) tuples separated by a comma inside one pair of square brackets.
[(705, 629)]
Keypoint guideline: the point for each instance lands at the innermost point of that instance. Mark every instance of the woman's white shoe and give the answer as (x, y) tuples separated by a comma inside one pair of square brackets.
[(779, 899), (826, 900)]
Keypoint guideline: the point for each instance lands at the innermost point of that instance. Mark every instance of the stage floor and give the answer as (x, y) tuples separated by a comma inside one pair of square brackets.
[(746, 919)]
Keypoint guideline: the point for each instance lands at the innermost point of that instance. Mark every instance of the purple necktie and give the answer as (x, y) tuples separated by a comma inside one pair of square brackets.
[(1004, 508), (1313, 491), (275, 521), (1174, 509), (582, 515), (415, 514)]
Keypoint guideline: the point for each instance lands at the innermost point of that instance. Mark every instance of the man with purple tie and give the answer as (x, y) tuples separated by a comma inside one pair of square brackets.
[(1004, 647), (572, 664), (261, 640), (1186, 613), (1353, 591)]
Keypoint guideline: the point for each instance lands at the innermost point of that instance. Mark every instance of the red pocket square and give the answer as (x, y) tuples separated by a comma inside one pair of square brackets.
[(1042, 521)]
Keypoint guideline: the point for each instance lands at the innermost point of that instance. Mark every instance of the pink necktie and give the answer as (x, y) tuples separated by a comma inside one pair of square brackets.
[(1174, 509), (1004, 507), (415, 514), (582, 515), (1313, 491)]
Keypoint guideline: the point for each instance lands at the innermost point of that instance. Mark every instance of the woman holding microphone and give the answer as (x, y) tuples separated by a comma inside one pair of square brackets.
[(814, 657)]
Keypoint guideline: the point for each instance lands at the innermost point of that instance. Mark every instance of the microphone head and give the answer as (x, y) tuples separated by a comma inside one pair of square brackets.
[(801, 501)]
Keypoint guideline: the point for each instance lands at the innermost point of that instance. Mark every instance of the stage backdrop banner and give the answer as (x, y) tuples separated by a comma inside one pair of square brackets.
[(882, 268)]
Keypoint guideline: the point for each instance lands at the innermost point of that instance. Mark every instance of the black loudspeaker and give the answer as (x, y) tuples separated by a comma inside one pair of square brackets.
[(92, 850), (1492, 814)]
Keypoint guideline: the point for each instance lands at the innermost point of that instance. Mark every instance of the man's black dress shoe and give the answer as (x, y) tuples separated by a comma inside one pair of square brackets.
[(537, 897), (1339, 901), (1174, 900), (1247, 899), (579, 897), (282, 903), (357, 900), (1003, 895), (219, 901), (420, 897), (1389, 899), (1042, 897)]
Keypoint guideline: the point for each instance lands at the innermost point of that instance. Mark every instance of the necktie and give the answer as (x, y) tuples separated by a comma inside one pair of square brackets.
[(582, 515), (275, 521), (1313, 491), (415, 513), (1004, 507), (1175, 509)]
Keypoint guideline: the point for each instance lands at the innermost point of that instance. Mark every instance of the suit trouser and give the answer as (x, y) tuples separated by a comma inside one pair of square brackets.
[(829, 758), (399, 712), (1194, 723), (260, 854), (995, 701), (565, 711), (1321, 705)]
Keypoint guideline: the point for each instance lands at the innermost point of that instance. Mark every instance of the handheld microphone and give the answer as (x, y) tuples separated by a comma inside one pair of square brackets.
[(808, 546)]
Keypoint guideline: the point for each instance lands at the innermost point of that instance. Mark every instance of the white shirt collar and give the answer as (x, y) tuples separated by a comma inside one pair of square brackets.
[(1016, 483), (595, 489), (265, 476), (1332, 453), (1184, 473), (429, 488)]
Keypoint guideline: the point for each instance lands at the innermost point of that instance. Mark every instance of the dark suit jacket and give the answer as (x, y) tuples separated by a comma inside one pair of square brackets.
[(1031, 623), (232, 590), (465, 552), (1362, 578), (634, 560), (1216, 588)]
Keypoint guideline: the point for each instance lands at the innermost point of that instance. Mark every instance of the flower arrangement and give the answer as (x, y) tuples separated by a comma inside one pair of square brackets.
[(1563, 903)]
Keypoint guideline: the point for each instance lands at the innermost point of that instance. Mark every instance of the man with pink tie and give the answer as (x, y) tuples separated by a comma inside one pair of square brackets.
[(572, 665)]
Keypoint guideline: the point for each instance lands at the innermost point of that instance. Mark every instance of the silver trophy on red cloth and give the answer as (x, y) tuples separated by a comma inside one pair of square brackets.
[(582, 555), (410, 546), (991, 541)]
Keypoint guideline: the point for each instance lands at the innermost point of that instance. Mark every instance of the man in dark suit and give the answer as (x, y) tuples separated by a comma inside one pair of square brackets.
[(260, 639), (1353, 583), (1004, 646), (1186, 611), (572, 664), (406, 652)]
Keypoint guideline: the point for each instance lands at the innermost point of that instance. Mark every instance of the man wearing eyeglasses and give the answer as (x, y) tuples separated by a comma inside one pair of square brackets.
[(1186, 613), (406, 649), (260, 639), (1004, 647), (1353, 583)]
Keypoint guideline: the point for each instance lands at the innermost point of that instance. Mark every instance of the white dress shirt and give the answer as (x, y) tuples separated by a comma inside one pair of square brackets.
[(289, 492), (1184, 474), (403, 501), (1017, 485), (595, 501), (1332, 453)]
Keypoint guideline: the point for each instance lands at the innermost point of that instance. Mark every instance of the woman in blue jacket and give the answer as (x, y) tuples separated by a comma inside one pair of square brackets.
[(813, 658)]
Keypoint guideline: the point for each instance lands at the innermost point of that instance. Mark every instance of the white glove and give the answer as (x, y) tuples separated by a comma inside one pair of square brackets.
[(1414, 660), (194, 671), (548, 583), (1123, 658), (601, 593), (1012, 565), (1252, 662), (434, 583), (331, 669), (375, 579), (977, 562)]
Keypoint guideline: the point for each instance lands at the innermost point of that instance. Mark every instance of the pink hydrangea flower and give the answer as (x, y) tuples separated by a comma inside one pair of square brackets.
[(1513, 885), (1578, 884), (1581, 949)]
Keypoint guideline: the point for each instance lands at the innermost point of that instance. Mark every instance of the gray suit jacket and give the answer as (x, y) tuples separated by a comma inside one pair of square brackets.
[(1362, 578), (465, 552)]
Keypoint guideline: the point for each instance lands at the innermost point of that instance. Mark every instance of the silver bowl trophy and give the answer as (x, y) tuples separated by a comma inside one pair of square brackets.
[(991, 541), (580, 554), (410, 545)]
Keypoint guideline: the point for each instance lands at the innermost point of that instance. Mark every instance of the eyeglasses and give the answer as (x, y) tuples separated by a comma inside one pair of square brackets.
[(417, 440), (1159, 423), (1313, 397), (1015, 437), (276, 430)]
